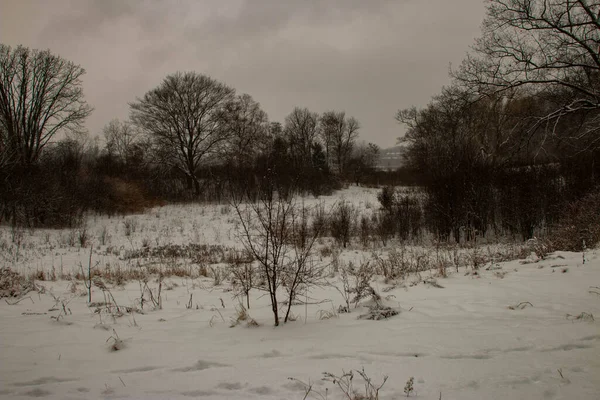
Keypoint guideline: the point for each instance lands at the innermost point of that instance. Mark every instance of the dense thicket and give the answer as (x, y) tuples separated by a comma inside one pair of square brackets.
[(514, 139)]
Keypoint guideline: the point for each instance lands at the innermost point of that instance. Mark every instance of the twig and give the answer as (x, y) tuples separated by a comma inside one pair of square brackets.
[(18, 301), (520, 306)]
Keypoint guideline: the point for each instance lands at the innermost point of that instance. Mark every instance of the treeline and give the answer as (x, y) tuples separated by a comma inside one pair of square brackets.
[(514, 141), (189, 139)]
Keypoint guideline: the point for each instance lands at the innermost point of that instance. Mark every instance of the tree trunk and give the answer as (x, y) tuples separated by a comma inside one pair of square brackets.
[(196, 187), (274, 308)]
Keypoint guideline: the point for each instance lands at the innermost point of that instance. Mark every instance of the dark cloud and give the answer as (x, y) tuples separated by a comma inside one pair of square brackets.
[(369, 58)]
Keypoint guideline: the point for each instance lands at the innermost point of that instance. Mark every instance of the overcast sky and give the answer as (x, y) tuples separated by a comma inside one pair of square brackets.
[(367, 57)]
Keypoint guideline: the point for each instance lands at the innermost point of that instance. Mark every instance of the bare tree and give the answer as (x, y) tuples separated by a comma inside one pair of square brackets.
[(6, 154), (339, 135), (121, 139), (40, 96), (329, 125), (266, 232), (276, 234), (541, 45), (185, 118), (301, 128), (364, 159), (248, 127), (302, 272)]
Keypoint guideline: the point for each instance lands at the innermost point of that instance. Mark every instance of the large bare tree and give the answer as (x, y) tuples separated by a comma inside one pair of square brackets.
[(185, 117), (40, 96), (550, 46)]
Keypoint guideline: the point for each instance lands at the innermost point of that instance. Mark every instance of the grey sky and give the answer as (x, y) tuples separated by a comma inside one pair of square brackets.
[(367, 57)]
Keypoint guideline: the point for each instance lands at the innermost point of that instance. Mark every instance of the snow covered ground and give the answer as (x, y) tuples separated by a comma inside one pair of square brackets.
[(520, 330)]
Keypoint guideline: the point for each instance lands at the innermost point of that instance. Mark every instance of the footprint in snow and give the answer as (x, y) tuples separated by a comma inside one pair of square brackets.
[(467, 357), (38, 392), (230, 385), (198, 393), (43, 381), (199, 366), (294, 386), (262, 390), (593, 337), (271, 354), (567, 347), (138, 369), (518, 349)]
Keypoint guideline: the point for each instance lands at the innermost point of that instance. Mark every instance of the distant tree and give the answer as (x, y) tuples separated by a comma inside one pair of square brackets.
[(301, 129), (275, 130), (122, 140), (339, 136), (40, 96), (329, 124), (185, 118), (248, 127), (363, 161)]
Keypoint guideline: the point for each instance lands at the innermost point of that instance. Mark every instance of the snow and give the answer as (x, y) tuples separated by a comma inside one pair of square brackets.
[(463, 340)]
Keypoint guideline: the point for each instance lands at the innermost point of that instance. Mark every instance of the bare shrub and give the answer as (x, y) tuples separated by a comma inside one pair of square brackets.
[(365, 230), (195, 253), (150, 295), (115, 342), (130, 225), (396, 266), (218, 274), (401, 214), (579, 225), (356, 283), (341, 222), (383, 226), (12, 284), (540, 247), (83, 236), (242, 315), (275, 232), (386, 198), (243, 278), (409, 387), (103, 235), (345, 384), (378, 312), (476, 258)]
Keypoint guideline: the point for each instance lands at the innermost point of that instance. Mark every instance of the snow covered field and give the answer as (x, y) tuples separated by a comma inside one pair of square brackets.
[(518, 330)]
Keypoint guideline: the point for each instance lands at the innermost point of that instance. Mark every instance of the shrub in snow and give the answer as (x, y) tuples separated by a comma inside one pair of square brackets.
[(12, 284), (378, 312), (275, 233), (116, 343), (342, 222), (408, 388), (345, 384), (579, 226)]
